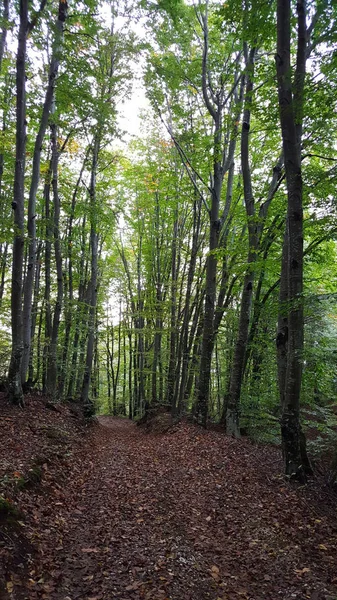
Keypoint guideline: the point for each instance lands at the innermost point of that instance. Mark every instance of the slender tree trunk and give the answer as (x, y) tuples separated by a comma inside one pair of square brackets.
[(118, 366), (210, 296), (233, 400), (94, 276), (48, 245), (282, 325), (39, 350), (124, 370), (108, 374), (173, 324), (30, 381), (69, 301), (29, 279), (52, 369), (184, 332), (14, 374), (131, 397), (79, 315), (3, 267), (223, 157)]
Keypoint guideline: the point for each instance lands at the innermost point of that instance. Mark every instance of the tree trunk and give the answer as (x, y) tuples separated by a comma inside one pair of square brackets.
[(48, 317), (290, 114), (79, 315), (30, 381), (233, 400), (3, 267), (173, 319), (14, 374), (69, 301), (184, 353), (29, 280), (52, 368), (88, 406)]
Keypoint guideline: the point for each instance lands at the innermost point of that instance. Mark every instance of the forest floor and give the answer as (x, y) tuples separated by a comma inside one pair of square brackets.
[(115, 512)]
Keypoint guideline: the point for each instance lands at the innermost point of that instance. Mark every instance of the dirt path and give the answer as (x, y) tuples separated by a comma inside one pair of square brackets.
[(189, 515)]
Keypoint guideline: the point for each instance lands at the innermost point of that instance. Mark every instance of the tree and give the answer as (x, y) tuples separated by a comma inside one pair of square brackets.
[(14, 374)]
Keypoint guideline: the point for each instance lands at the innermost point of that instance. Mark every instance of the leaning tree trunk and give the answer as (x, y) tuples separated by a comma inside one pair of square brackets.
[(14, 374)]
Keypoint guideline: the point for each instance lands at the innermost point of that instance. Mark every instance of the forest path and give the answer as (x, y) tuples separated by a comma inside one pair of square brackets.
[(189, 515)]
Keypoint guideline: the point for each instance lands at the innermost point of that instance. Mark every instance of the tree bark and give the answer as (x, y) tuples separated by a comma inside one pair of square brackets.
[(88, 406), (233, 400), (52, 367), (30, 381), (14, 374), (3, 268), (291, 106), (47, 106)]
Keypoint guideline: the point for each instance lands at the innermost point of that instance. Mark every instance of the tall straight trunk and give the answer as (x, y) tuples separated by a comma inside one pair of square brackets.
[(94, 276), (141, 400), (193, 372), (233, 400), (130, 371), (14, 374), (47, 106), (282, 323), (158, 283), (223, 157), (82, 343), (124, 371), (291, 105), (69, 299), (52, 368), (184, 332), (78, 315), (95, 373), (260, 301), (113, 373), (119, 347), (173, 318), (108, 372), (3, 268), (210, 287), (30, 381), (39, 350), (47, 307)]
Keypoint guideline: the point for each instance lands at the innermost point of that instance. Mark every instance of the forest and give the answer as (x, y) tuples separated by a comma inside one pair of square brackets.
[(190, 265), (168, 257)]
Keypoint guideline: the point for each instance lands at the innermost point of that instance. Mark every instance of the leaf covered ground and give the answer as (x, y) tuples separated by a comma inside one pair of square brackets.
[(114, 511)]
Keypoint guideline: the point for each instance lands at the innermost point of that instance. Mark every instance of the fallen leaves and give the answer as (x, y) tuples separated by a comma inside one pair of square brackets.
[(183, 516)]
